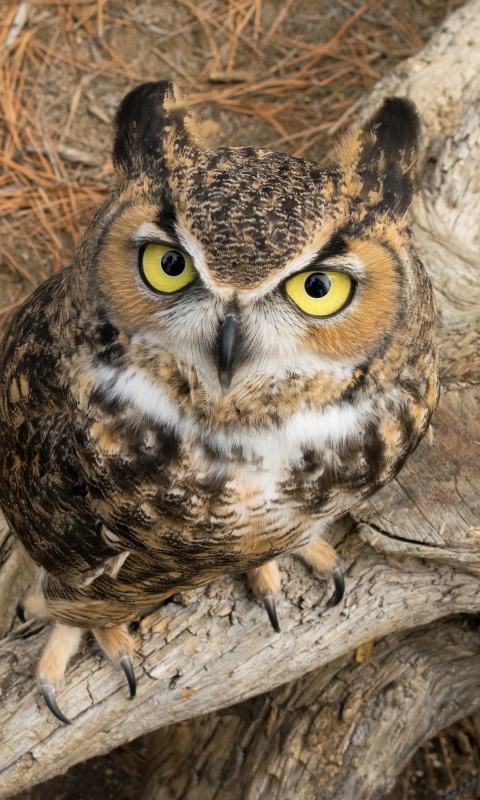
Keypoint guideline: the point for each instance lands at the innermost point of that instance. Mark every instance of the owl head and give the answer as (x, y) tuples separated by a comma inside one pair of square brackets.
[(247, 268)]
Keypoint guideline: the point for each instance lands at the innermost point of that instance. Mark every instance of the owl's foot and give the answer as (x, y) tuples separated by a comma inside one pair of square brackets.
[(322, 558), (62, 645), (64, 642), (117, 644), (265, 582)]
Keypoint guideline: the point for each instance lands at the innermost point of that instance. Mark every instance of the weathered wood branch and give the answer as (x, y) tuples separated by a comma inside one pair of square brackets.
[(325, 736), (411, 556)]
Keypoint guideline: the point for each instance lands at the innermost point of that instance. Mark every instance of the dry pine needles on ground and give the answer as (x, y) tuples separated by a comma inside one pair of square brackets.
[(287, 75)]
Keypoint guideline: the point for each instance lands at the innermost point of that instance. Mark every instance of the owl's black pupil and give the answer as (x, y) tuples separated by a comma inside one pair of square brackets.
[(317, 285), (173, 263)]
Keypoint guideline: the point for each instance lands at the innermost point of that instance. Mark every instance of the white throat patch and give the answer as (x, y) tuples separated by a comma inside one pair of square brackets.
[(322, 430)]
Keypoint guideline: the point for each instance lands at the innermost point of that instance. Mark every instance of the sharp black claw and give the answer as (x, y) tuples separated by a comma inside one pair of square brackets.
[(339, 582), (127, 666), (21, 612), (49, 697), (272, 612)]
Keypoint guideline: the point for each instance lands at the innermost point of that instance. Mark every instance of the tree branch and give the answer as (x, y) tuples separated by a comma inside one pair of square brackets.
[(343, 731)]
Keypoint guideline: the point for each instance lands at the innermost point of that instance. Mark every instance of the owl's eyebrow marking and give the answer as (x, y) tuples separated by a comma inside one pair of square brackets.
[(336, 246), (166, 218)]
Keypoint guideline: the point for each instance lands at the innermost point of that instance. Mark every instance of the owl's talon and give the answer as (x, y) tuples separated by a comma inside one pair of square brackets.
[(62, 645), (21, 612), (265, 582), (117, 644), (127, 666), (272, 612), (321, 557), (49, 697), (339, 582)]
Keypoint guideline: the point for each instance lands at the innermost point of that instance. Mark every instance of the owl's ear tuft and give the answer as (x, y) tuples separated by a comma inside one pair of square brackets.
[(152, 122), (383, 156)]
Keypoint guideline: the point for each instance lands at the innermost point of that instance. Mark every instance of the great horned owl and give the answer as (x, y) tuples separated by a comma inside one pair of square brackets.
[(242, 350)]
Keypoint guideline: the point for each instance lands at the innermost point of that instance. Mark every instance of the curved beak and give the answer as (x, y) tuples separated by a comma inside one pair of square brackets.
[(227, 348)]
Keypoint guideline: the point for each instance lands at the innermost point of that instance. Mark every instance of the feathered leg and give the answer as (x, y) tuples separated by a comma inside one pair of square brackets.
[(64, 642)]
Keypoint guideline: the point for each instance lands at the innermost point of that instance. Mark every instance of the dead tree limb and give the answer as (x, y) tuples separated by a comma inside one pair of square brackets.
[(342, 731)]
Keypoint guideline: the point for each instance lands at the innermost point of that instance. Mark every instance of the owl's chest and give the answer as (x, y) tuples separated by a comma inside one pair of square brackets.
[(157, 478)]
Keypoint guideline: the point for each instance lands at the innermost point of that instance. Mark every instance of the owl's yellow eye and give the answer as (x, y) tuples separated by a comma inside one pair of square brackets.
[(320, 294), (165, 269)]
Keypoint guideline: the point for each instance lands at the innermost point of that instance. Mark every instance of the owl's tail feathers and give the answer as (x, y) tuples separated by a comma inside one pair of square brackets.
[(322, 558), (117, 644), (265, 582), (62, 645)]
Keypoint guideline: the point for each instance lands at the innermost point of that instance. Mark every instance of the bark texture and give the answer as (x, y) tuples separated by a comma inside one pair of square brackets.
[(411, 557), (342, 731)]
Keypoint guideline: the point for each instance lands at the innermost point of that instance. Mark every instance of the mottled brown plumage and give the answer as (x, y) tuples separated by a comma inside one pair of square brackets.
[(154, 439)]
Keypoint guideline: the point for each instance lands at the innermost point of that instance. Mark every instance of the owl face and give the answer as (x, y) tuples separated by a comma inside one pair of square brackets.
[(242, 267)]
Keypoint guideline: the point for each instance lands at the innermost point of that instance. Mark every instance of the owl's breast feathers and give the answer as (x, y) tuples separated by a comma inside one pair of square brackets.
[(103, 455)]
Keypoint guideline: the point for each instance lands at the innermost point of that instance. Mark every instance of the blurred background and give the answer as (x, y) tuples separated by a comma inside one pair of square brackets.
[(288, 75)]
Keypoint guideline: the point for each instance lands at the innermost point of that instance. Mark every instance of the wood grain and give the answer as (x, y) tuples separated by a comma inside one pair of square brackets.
[(327, 735)]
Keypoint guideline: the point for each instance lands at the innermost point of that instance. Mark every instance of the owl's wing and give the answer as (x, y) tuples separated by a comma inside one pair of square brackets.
[(42, 488), (45, 499)]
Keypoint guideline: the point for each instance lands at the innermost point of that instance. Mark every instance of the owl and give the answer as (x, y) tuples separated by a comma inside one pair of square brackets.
[(242, 350)]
